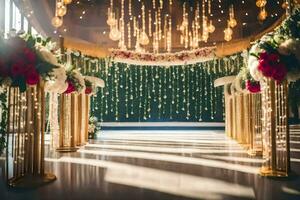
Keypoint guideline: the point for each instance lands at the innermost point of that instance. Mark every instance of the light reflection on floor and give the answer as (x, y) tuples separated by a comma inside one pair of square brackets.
[(160, 165)]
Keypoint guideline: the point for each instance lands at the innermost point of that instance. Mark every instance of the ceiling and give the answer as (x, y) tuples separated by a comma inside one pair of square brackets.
[(91, 26)]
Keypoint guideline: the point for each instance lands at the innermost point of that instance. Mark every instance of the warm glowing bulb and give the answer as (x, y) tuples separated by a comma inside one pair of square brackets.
[(232, 23), (228, 31), (56, 21), (115, 34), (211, 27), (111, 21), (228, 37), (261, 3), (62, 11), (144, 39), (67, 1), (262, 15)]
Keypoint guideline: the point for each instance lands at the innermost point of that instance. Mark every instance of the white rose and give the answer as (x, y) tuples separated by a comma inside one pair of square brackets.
[(48, 56)]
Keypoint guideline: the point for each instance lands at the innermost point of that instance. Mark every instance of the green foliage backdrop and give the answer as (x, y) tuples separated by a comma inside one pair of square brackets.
[(155, 93)]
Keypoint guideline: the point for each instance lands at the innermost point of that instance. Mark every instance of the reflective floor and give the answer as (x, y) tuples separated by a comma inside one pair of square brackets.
[(160, 165)]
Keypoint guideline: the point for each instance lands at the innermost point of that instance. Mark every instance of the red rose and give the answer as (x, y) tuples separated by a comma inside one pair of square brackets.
[(88, 90), (29, 55), (253, 87), (279, 73), (273, 57), (266, 68), (71, 88), (32, 77), (263, 56), (18, 68), (28, 68)]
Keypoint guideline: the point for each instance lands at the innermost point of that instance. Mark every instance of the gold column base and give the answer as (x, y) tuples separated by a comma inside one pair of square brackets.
[(67, 149), (31, 181), (267, 172), (252, 152)]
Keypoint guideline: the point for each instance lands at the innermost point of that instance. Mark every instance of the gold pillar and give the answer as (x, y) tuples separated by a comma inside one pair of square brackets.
[(275, 130), (25, 138), (68, 123)]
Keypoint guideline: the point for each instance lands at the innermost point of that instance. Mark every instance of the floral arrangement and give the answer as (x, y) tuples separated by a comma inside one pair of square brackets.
[(180, 58), (92, 127), (277, 54), (88, 86), (75, 82), (24, 61), (57, 82), (92, 84), (247, 82)]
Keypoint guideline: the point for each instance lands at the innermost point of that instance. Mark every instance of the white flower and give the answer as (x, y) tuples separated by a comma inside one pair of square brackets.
[(80, 80), (97, 82), (48, 56), (58, 82), (253, 63)]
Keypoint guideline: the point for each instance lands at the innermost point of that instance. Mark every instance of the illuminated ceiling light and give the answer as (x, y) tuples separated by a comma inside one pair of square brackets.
[(62, 11), (67, 2), (262, 15), (57, 21), (211, 27), (261, 3), (115, 34), (232, 21)]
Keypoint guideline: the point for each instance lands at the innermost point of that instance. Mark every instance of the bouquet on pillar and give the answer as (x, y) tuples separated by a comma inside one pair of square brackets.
[(25, 61), (277, 54)]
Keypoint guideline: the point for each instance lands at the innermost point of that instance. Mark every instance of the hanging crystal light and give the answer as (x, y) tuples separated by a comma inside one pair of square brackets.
[(56, 21), (62, 11), (115, 34), (67, 2), (211, 27), (232, 21), (228, 33), (261, 3), (144, 39), (262, 14)]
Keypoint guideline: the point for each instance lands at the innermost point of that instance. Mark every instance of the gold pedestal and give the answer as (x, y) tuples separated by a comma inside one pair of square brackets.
[(25, 138), (275, 131), (31, 181), (68, 123)]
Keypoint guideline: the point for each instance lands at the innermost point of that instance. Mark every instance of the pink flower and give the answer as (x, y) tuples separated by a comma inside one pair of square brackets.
[(88, 90), (253, 87), (71, 88), (32, 77)]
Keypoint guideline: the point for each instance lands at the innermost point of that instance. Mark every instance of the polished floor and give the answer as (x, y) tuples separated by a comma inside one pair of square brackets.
[(161, 165)]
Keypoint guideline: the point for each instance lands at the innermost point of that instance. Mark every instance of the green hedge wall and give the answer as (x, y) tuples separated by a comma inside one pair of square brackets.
[(155, 93)]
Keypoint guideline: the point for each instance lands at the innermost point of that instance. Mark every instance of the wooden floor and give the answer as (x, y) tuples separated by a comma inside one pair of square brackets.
[(160, 165)]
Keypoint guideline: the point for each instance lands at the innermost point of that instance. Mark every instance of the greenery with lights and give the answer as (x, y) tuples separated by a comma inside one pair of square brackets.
[(157, 93), (3, 119)]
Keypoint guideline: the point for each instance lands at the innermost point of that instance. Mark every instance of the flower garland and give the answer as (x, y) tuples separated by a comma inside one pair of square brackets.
[(75, 82), (277, 54), (92, 127), (23, 61), (164, 59), (92, 84)]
